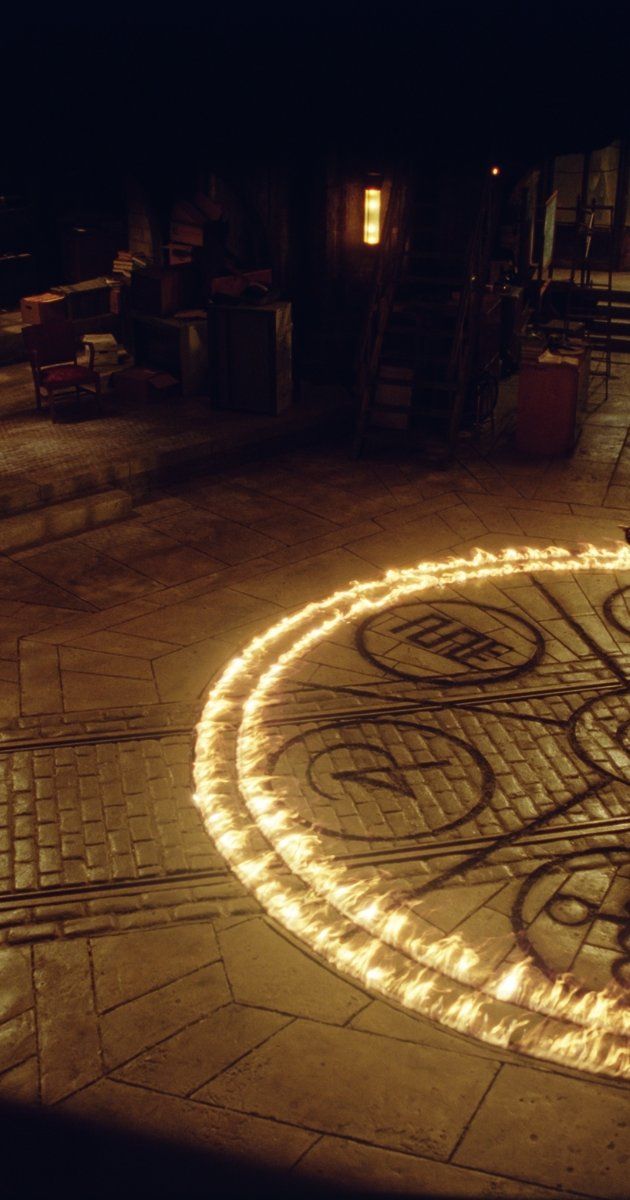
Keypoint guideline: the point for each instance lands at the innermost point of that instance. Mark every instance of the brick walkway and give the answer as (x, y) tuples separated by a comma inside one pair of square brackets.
[(141, 983)]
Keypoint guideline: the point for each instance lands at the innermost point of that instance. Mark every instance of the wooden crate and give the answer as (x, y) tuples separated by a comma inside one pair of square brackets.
[(249, 355), (176, 346), (160, 291)]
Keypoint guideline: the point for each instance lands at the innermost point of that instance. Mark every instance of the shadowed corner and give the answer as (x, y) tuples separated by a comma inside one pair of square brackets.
[(48, 1153)]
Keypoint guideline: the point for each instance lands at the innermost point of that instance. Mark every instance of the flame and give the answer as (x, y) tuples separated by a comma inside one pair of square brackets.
[(356, 923)]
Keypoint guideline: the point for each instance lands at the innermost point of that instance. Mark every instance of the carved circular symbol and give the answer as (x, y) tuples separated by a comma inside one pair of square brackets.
[(450, 642), (617, 609), (384, 779), (577, 907), (600, 734), (429, 921)]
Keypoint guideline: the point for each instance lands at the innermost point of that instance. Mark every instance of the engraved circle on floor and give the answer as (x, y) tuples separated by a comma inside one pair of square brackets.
[(468, 750)]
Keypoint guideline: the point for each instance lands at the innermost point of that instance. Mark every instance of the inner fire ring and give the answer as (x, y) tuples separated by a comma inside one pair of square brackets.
[(320, 882)]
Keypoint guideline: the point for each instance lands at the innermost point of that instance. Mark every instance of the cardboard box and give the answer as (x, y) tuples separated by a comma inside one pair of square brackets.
[(140, 385), (107, 352), (48, 306)]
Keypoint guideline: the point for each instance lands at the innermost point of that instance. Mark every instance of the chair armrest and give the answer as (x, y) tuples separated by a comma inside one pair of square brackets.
[(90, 348)]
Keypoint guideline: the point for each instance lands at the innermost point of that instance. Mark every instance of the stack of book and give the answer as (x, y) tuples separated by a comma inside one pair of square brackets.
[(125, 262), (188, 219)]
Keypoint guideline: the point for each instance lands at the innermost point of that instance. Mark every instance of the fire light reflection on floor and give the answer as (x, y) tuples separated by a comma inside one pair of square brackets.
[(371, 915)]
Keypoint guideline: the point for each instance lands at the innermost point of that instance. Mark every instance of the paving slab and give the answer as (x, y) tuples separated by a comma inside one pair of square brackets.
[(377, 1171), (243, 1135), (266, 969), (560, 1132), (419, 1100), (183, 1064)]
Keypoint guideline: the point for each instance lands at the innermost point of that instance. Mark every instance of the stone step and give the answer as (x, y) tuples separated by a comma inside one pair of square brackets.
[(59, 520)]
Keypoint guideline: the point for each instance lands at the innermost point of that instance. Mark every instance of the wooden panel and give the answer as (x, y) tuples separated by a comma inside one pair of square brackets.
[(250, 357)]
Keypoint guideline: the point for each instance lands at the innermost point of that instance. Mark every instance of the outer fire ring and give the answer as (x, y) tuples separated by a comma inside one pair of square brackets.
[(360, 929)]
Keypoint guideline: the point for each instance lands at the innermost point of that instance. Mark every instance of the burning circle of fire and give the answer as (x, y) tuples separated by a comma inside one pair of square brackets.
[(359, 925)]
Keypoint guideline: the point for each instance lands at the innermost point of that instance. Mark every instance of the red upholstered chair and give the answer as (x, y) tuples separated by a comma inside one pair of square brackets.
[(52, 351)]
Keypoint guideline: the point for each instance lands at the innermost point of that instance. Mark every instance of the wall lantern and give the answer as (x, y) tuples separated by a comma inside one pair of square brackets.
[(372, 209), (495, 171)]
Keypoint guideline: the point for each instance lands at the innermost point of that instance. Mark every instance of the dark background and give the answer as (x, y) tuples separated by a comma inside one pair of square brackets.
[(143, 83)]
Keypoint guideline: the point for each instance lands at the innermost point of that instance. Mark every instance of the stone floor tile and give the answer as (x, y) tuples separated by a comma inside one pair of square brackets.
[(40, 680), (406, 546), (617, 497), (84, 573), (83, 692), (265, 969), (128, 965), (308, 579), (94, 622), (20, 1084), (16, 989), (19, 582), (108, 641), (553, 1130), (405, 513), (9, 700), (150, 552), (17, 1040), (224, 541), (93, 662), (134, 1027), (377, 1171), (189, 622), (239, 1135), (182, 1064), (233, 502), (65, 1000), (574, 527), (185, 674), (417, 1099), (391, 1022)]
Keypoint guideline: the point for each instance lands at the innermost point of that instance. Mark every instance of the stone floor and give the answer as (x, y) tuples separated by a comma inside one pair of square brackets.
[(141, 982), (133, 444)]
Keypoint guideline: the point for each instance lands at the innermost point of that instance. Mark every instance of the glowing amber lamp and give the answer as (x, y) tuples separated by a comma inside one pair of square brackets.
[(495, 170), (372, 216)]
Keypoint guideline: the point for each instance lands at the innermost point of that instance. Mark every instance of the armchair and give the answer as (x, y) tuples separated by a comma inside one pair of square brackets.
[(52, 352)]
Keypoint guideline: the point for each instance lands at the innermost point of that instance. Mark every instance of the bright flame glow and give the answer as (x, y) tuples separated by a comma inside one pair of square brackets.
[(372, 216), (357, 923)]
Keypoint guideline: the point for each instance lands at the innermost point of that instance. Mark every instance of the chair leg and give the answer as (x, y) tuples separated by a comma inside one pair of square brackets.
[(97, 395)]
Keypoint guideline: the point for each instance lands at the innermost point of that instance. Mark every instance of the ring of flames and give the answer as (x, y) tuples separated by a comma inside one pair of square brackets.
[(359, 925)]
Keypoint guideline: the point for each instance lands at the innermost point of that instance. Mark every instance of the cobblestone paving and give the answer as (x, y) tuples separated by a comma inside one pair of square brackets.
[(139, 982), (494, 755), (91, 814)]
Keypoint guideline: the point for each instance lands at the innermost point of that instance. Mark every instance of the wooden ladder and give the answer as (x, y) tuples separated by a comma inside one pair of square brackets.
[(424, 316)]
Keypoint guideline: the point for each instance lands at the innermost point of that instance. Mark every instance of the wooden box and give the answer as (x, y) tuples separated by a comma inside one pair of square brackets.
[(139, 385), (177, 346), (552, 393), (192, 235), (160, 291), (90, 298), (249, 355), (46, 307)]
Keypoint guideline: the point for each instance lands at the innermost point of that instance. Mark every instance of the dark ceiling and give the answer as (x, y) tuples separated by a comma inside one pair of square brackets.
[(503, 80)]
